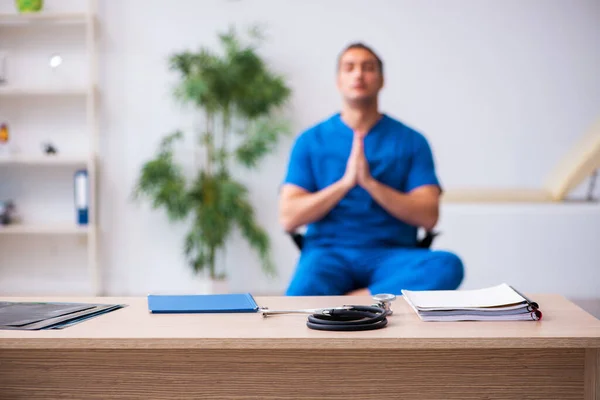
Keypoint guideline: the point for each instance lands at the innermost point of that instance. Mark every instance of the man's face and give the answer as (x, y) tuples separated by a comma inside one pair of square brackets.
[(359, 78)]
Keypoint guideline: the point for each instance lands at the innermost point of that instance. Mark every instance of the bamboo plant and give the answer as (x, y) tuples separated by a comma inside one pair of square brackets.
[(240, 100)]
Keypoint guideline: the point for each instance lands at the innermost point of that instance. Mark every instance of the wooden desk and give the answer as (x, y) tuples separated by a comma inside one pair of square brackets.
[(131, 354)]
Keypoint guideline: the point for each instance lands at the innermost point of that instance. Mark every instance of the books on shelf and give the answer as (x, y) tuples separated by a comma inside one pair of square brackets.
[(497, 303)]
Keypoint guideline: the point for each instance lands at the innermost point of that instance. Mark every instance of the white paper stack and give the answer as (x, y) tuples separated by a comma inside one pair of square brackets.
[(497, 303)]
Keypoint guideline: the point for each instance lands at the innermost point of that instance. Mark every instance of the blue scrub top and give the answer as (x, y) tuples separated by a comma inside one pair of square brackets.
[(398, 156)]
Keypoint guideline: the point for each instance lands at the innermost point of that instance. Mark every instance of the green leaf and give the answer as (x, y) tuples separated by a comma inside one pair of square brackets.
[(255, 235), (163, 182), (261, 139)]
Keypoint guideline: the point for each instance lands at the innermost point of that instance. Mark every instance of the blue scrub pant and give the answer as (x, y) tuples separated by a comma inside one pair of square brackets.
[(323, 271)]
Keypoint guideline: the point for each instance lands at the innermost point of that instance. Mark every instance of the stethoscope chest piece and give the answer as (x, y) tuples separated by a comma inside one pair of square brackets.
[(384, 301)]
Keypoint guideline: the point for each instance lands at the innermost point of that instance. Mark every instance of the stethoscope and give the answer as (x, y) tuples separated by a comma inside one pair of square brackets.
[(345, 318)]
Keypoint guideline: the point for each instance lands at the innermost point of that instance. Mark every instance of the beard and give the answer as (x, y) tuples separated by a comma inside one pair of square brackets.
[(361, 101)]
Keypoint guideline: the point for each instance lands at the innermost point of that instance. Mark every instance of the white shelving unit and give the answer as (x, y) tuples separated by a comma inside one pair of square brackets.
[(43, 18), (45, 160), (35, 92), (41, 229), (17, 93)]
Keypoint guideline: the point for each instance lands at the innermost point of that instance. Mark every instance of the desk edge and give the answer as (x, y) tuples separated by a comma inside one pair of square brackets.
[(296, 343)]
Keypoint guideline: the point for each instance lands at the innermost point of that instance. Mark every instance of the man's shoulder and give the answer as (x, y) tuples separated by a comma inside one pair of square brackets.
[(409, 132), (397, 124), (317, 129)]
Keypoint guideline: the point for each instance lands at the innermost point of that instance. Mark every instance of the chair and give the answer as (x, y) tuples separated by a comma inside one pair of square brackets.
[(423, 243)]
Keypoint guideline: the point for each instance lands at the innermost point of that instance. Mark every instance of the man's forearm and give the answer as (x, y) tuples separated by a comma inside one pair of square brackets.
[(305, 208), (414, 209)]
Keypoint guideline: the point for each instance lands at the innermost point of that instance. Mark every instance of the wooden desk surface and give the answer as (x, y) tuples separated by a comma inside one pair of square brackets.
[(564, 325)]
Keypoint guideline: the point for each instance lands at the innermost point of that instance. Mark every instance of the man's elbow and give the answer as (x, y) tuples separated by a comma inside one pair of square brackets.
[(287, 222), (431, 221)]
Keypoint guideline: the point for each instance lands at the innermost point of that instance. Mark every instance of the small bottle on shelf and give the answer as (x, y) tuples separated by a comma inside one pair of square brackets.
[(4, 139)]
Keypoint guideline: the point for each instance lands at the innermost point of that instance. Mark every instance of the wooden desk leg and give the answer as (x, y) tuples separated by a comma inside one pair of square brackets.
[(592, 374)]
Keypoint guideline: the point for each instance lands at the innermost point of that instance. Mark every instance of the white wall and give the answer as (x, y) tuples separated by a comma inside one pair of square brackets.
[(501, 89)]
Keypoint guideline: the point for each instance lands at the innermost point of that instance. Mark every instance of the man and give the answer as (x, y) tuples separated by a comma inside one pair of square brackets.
[(364, 183)]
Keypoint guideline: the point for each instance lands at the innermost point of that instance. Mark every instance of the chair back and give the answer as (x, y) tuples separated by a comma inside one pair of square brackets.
[(424, 243)]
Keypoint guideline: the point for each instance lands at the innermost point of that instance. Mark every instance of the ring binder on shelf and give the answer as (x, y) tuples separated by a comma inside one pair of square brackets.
[(81, 197)]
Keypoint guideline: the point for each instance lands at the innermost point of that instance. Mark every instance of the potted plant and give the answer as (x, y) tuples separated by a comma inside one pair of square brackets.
[(241, 101), (29, 6)]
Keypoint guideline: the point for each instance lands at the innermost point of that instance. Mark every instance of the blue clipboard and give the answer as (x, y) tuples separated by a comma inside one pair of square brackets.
[(202, 303)]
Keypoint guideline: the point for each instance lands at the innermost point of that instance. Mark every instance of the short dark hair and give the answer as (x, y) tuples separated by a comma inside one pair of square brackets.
[(360, 45)]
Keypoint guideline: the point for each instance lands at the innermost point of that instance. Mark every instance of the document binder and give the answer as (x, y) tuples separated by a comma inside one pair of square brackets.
[(202, 303), (498, 303)]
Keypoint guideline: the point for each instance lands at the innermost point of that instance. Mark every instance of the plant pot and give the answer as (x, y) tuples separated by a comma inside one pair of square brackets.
[(29, 6), (219, 286), (204, 285)]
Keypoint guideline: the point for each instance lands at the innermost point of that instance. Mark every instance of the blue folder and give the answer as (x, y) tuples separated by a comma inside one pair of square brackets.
[(202, 303)]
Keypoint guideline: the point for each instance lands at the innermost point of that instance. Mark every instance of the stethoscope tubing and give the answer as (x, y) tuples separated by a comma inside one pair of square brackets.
[(352, 318)]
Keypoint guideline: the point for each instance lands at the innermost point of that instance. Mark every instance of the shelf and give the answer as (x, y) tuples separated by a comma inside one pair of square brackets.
[(7, 91), (43, 18), (44, 160), (73, 98), (45, 229)]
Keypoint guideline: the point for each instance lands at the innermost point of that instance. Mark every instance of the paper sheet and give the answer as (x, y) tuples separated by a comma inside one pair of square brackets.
[(496, 296)]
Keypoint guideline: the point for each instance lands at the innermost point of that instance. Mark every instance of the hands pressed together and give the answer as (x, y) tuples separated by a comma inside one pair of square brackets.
[(420, 207), (357, 168)]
